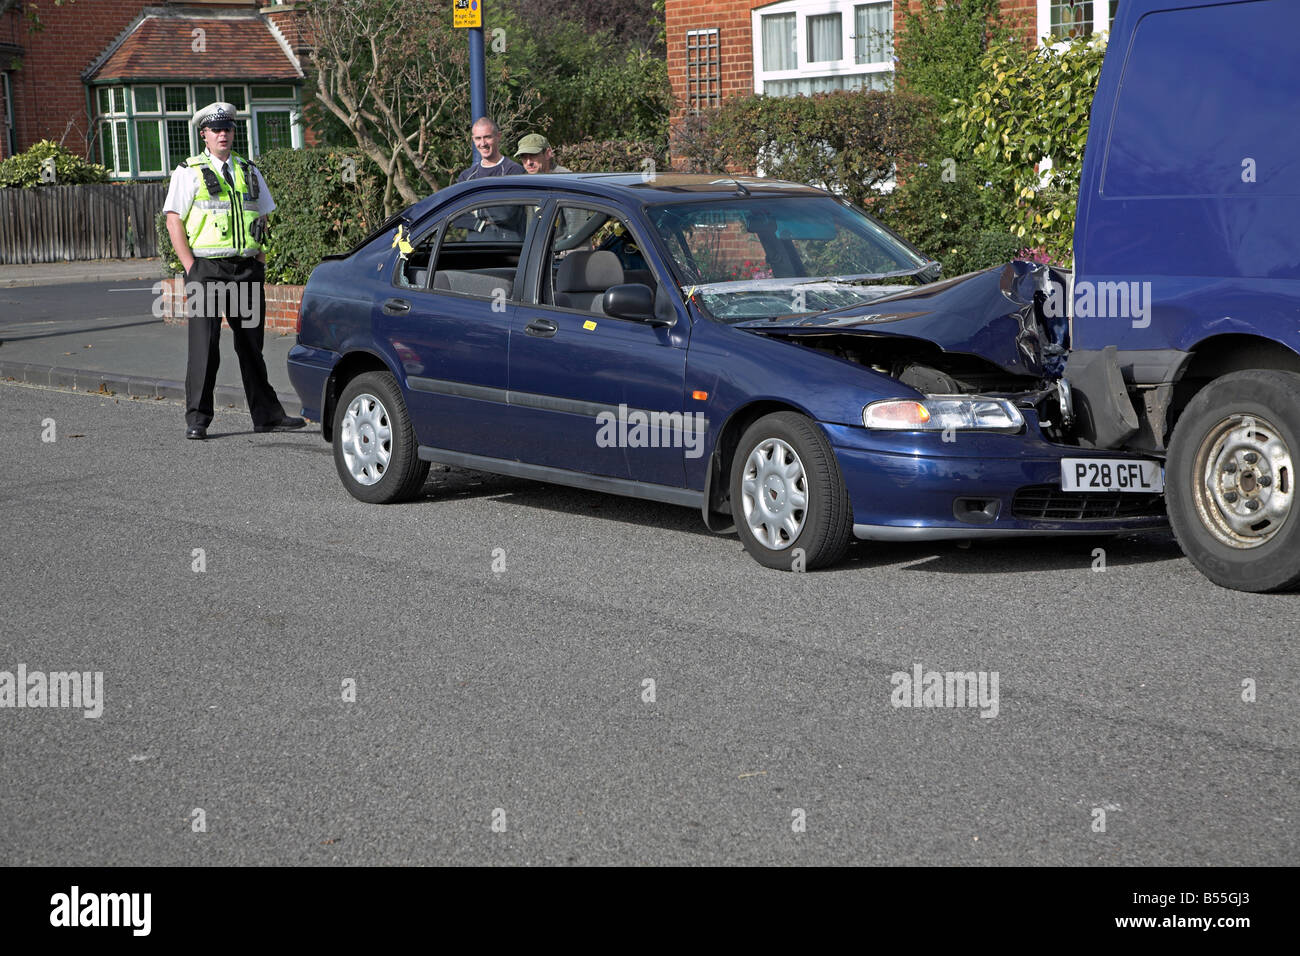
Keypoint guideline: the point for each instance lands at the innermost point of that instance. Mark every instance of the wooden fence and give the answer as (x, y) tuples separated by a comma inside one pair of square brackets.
[(57, 223)]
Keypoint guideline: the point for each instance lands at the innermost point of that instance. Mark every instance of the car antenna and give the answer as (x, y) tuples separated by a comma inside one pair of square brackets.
[(740, 187)]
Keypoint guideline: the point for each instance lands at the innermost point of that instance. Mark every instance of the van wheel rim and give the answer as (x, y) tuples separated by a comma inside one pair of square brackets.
[(366, 437), (774, 492), (1247, 481)]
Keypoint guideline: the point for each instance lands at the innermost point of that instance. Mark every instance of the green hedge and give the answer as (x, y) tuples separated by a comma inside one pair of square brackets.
[(951, 212), (613, 156), (24, 170), (846, 140), (318, 212)]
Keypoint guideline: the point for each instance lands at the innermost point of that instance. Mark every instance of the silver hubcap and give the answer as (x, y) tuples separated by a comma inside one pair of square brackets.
[(367, 439), (774, 491), (1247, 481)]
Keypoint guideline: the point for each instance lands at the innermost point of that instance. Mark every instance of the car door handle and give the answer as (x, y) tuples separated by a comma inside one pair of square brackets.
[(396, 307), (541, 327)]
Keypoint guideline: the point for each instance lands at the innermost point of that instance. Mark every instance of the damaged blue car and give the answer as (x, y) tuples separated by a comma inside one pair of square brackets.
[(760, 351)]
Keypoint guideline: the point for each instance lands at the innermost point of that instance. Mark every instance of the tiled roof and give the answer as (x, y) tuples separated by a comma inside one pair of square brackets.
[(233, 48)]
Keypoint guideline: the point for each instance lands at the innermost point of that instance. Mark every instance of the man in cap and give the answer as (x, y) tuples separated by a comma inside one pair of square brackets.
[(216, 217), (537, 156)]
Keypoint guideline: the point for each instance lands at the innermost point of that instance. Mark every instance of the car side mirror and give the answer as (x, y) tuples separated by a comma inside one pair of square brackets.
[(631, 301)]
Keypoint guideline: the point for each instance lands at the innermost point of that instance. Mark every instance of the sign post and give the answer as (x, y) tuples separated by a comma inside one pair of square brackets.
[(468, 15)]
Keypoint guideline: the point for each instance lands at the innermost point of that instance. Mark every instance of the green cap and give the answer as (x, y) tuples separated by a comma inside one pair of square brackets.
[(532, 143)]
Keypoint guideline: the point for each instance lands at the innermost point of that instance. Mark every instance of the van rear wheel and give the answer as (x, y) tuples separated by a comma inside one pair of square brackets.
[(1230, 481)]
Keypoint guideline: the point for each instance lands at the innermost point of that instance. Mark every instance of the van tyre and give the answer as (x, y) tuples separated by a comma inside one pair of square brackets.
[(1230, 480), (787, 495), (375, 450)]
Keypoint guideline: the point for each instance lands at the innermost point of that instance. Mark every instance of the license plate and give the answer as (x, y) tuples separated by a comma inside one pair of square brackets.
[(1112, 474)]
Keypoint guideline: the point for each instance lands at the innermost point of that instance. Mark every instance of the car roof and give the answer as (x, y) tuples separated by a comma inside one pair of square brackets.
[(634, 188)]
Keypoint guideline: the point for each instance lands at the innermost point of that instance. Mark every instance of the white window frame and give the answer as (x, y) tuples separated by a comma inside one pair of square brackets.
[(1045, 21), (803, 9)]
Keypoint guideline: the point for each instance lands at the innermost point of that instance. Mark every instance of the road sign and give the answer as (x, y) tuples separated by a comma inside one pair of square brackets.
[(467, 13)]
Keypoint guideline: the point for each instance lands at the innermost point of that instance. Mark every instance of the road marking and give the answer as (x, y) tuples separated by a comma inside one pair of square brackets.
[(143, 288)]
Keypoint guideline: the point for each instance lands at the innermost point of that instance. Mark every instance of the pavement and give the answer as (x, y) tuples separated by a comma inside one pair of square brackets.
[(90, 327), (93, 270)]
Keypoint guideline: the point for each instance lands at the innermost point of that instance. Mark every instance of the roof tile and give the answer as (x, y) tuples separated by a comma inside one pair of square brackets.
[(233, 49)]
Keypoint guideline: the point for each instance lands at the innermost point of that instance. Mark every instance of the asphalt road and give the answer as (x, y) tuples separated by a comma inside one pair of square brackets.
[(517, 694), (68, 306)]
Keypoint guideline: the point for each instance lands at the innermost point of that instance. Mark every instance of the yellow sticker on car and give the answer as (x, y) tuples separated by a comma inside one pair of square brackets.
[(589, 325)]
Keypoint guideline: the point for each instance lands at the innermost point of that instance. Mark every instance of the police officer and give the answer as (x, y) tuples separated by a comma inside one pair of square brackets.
[(216, 217)]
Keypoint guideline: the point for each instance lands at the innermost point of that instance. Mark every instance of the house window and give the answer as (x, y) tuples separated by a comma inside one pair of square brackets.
[(815, 46), (1063, 19), (703, 70), (156, 133), (825, 38), (873, 33)]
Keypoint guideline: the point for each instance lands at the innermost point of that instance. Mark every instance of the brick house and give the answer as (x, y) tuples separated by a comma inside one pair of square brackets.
[(119, 80), (720, 48)]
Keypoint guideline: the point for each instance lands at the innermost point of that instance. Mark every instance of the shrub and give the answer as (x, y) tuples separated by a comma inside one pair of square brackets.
[(318, 212), (847, 141), (1034, 104), (24, 170), (171, 263), (612, 156), (954, 218)]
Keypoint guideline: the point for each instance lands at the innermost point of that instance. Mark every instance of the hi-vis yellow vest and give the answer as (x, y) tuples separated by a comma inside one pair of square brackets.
[(219, 223)]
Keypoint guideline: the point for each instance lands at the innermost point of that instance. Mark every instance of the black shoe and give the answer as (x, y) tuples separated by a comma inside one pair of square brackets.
[(196, 432), (285, 424)]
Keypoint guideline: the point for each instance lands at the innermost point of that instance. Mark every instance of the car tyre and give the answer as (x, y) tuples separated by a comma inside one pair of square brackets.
[(787, 495), (1230, 480), (375, 450)]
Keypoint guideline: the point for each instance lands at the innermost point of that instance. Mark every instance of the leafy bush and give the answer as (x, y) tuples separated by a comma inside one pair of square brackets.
[(171, 263), (953, 218), (1035, 104), (612, 156), (940, 48), (318, 212), (70, 169), (593, 83), (848, 141)]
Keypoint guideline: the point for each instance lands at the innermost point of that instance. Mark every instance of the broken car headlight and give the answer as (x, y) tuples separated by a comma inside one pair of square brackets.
[(939, 413)]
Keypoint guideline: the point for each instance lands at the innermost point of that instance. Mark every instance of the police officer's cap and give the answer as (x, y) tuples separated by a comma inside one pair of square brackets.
[(215, 116)]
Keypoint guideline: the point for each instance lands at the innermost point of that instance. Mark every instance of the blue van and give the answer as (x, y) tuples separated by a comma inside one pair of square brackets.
[(1185, 311)]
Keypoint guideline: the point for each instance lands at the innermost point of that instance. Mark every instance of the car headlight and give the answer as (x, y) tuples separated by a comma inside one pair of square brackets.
[(939, 413)]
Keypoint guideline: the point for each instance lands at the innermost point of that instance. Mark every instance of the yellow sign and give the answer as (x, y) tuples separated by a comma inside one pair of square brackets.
[(466, 13)]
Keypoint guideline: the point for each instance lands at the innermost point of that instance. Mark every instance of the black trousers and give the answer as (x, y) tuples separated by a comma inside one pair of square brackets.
[(232, 287)]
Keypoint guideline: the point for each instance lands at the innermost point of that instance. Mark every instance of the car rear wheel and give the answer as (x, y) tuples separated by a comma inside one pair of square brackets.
[(1230, 480), (787, 495), (375, 450)]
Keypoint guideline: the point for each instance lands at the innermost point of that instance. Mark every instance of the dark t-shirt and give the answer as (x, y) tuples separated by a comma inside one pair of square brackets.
[(507, 167)]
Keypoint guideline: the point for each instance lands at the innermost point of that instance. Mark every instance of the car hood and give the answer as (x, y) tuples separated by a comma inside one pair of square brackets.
[(998, 314)]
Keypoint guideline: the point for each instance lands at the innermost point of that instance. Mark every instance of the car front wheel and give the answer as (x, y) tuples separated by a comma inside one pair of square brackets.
[(787, 495), (375, 450), (1230, 480)]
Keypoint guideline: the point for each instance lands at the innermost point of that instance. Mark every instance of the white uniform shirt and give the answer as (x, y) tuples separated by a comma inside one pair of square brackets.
[(185, 186)]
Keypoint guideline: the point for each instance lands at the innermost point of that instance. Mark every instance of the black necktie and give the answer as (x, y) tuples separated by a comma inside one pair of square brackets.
[(225, 171)]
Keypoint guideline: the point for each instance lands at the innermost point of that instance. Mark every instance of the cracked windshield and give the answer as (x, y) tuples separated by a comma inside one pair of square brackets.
[(766, 257)]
